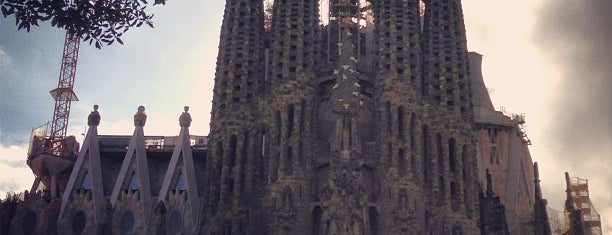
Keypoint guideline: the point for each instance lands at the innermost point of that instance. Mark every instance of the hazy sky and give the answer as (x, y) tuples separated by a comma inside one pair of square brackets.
[(549, 59)]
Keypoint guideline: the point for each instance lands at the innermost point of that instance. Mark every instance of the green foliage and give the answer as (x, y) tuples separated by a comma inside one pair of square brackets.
[(96, 21)]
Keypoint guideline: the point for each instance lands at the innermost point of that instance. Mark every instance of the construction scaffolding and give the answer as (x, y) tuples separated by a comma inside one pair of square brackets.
[(578, 198), (557, 221)]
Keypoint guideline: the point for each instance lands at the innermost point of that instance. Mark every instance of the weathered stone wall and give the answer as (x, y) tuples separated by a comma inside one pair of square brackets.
[(239, 82)]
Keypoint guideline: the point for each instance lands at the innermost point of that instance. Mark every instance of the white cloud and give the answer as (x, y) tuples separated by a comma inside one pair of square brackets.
[(14, 173)]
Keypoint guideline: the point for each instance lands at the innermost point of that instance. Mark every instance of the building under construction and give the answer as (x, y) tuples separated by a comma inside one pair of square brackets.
[(579, 216), (329, 117)]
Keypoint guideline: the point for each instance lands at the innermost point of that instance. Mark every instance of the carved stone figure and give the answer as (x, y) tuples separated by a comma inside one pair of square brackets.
[(140, 118), (185, 118), (94, 117)]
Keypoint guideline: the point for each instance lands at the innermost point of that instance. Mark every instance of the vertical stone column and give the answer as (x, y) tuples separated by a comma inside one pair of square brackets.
[(239, 80), (446, 91), (397, 83), (289, 113), (445, 61)]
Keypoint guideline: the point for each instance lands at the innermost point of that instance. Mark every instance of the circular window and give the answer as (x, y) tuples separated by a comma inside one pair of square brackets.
[(175, 222), (29, 223), (78, 222), (127, 223)]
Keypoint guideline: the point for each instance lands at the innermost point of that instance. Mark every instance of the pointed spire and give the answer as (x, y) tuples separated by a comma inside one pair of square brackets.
[(181, 170), (445, 59), (239, 72), (347, 92), (88, 166), (569, 201), (536, 174), (134, 172)]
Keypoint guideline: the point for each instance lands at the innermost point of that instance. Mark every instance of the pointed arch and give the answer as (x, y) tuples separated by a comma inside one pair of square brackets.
[(452, 154), (87, 163), (400, 122), (402, 163)]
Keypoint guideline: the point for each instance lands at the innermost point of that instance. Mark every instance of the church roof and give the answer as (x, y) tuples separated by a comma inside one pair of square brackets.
[(484, 112)]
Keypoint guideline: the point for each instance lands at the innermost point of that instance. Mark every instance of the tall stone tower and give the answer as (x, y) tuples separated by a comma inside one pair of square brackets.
[(304, 144), (239, 80), (351, 118), (288, 114)]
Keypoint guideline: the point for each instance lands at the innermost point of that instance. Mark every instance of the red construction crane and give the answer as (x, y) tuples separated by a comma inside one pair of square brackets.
[(54, 145), (63, 95)]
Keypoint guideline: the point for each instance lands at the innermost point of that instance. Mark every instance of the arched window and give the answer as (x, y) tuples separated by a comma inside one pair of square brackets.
[(452, 154), (426, 157), (400, 122), (413, 126), (278, 127), (402, 163), (466, 171), (231, 163), (181, 185), (441, 167), (289, 161), (455, 196), (302, 116), (86, 185), (290, 119), (243, 161), (134, 181), (389, 118)]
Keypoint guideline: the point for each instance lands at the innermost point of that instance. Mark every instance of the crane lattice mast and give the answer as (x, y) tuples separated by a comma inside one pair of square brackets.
[(63, 95)]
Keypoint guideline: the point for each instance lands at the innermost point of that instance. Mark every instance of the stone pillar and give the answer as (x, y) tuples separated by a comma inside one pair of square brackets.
[(398, 81), (239, 81), (289, 113)]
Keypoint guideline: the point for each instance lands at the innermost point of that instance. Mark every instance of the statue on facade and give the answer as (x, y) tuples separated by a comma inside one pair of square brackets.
[(185, 118), (94, 117), (140, 118)]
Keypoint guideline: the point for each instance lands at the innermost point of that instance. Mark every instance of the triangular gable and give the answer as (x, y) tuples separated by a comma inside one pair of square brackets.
[(87, 175), (181, 173), (134, 174)]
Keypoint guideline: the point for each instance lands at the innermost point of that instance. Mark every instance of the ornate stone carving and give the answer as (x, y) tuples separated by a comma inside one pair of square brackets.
[(94, 117), (185, 118), (140, 118)]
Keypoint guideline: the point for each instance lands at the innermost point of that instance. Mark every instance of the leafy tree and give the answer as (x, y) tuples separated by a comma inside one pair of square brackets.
[(96, 21)]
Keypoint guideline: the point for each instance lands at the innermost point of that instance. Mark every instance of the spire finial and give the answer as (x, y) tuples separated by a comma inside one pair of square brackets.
[(569, 201), (94, 117), (140, 118), (185, 118), (536, 174)]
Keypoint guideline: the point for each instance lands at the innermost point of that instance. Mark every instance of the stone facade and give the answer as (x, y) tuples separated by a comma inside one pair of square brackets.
[(346, 128), (328, 146)]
